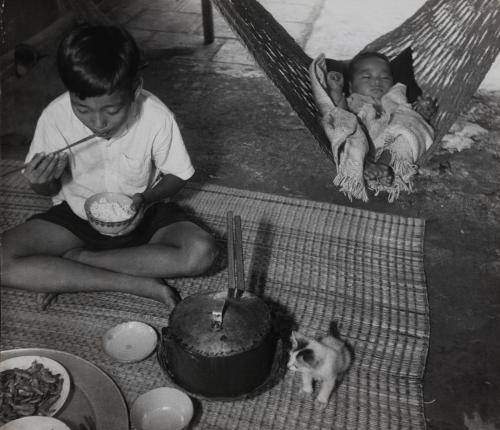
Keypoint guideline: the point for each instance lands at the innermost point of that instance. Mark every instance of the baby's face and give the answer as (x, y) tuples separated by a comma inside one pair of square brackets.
[(104, 115), (372, 77)]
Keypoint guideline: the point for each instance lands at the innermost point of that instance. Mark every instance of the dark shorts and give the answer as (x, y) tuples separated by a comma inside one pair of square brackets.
[(157, 216)]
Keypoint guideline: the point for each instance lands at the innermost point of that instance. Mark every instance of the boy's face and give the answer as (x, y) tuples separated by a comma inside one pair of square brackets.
[(105, 114), (371, 77)]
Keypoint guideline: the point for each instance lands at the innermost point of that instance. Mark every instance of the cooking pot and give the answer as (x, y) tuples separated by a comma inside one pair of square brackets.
[(220, 344), (219, 361)]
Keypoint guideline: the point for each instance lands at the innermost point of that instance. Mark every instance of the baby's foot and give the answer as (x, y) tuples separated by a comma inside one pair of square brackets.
[(378, 172)]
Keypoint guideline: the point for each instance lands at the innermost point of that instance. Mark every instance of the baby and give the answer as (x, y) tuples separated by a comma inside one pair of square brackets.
[(387, 136)]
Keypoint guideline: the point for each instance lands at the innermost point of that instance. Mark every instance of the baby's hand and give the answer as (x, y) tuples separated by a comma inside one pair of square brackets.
[(335, 83), (335, 80), (426, 106)]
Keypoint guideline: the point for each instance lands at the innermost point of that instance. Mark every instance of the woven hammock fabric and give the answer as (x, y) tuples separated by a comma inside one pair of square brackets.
[(455, 42), (313, 263)]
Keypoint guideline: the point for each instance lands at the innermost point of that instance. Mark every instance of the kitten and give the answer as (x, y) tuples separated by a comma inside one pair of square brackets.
[(325, 360)]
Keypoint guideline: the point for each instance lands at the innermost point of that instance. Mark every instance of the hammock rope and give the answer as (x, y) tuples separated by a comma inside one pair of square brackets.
[(454, 44)]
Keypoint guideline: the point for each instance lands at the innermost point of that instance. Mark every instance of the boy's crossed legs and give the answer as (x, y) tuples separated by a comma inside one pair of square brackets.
[(44, 257)]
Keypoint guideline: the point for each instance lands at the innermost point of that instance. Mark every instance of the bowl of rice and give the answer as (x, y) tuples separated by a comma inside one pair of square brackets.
[(109, 213)]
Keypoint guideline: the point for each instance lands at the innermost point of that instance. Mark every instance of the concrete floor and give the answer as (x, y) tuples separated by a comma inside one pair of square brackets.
[(241, 132)]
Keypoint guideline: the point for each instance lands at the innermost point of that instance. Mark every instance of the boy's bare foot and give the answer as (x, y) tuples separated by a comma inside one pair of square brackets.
[(44, 300), (171, 296), (160, 291)]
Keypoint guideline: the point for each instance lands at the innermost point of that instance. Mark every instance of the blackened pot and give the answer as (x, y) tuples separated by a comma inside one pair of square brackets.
[(219, 361)]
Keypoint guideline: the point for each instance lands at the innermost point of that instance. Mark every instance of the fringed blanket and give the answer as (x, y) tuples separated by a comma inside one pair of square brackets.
[(360, 125)]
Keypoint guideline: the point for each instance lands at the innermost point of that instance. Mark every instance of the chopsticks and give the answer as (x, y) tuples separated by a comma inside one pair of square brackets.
[(236, 275), (17, 169), (236, 271)]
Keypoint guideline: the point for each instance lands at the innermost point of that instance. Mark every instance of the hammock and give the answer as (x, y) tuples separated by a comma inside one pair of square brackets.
[(454, 44)]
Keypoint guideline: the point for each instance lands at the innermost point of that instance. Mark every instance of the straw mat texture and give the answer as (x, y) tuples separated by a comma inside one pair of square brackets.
[(314, 263)]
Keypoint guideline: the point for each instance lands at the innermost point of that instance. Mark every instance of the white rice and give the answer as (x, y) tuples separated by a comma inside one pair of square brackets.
[(107, 211)]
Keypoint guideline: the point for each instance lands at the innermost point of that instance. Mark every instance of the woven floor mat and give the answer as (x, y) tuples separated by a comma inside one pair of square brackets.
[(314, 263)]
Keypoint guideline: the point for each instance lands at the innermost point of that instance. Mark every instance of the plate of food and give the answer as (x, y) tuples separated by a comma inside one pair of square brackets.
[(35, 423), (95, 402), (32, 385)]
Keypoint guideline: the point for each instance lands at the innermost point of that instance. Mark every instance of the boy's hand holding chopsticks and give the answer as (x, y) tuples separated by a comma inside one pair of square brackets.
[(42, 156), (43, 169)]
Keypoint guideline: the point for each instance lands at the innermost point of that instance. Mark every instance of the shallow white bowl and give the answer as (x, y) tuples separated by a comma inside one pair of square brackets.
[(163, 408), (35, 423), (130, 341), (25, 361)]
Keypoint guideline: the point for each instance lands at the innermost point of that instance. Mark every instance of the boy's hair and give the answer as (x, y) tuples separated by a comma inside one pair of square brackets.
[(363, 55), (94, 60)]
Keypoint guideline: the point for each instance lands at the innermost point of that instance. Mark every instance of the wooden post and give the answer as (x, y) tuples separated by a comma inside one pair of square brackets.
[(86, 11), (208, 21)]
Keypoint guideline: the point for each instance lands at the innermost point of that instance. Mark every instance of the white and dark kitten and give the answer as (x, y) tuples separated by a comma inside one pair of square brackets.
[(323, 360)]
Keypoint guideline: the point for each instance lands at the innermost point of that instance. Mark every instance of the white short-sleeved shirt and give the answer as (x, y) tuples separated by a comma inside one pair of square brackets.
[(148, 145)]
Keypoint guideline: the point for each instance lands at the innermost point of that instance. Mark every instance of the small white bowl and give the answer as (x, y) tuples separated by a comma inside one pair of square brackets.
[(130, 341), (35, 423), (109, 228), (162, 408)]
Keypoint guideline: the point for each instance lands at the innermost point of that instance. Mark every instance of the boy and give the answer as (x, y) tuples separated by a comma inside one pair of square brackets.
[(384, 115), (138, 150)]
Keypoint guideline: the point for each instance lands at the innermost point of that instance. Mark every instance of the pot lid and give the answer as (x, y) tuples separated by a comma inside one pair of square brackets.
[(246, 322)]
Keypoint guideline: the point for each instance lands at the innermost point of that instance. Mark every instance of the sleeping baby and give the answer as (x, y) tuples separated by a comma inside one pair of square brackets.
[(375, 134)]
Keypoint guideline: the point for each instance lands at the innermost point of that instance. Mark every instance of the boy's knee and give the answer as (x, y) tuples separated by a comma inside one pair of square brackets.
[(202, 255)]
